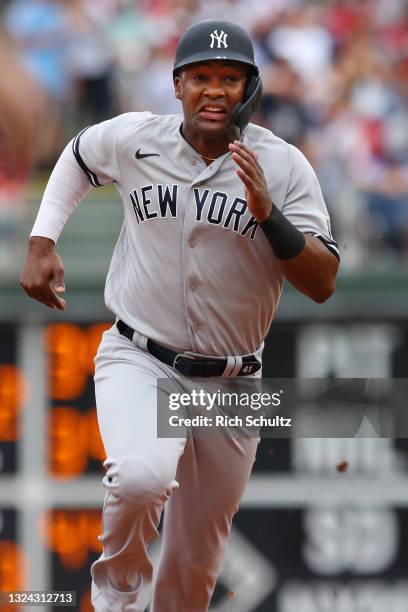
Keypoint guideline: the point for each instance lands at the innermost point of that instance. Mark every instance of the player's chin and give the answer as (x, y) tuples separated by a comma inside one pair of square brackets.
[(214, 125)]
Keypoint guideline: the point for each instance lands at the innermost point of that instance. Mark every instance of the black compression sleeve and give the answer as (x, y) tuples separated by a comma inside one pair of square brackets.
[(285, 239)]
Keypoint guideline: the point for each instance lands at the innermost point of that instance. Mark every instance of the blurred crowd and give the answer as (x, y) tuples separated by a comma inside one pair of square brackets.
[(335, 77)]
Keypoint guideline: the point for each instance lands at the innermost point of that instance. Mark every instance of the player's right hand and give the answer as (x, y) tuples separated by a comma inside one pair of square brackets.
[(42, 277)]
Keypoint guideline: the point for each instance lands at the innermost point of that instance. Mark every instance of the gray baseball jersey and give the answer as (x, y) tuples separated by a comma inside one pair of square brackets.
[(192, 269)]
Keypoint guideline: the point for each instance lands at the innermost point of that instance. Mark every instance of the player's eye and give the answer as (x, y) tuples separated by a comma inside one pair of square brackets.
[(199, 77)]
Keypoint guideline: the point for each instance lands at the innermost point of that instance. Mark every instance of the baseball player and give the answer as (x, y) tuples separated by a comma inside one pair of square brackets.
[(217, 212)]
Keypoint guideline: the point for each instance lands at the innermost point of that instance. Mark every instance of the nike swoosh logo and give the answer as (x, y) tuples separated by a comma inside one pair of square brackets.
[(140, 155)]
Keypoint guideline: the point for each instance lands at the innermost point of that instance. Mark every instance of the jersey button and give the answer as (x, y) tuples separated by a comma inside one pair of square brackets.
[(191, 243), (193, 286), (193, 162)]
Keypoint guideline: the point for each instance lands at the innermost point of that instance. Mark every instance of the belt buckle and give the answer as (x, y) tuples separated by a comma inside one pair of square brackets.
[(192, 357), (191, 364), (180, 357)]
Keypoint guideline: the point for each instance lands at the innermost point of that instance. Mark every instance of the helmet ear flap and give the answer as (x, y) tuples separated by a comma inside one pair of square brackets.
[(243, 111), (251, 86)]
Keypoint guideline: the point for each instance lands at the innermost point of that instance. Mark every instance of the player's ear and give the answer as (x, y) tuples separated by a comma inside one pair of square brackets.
[(177, 87)]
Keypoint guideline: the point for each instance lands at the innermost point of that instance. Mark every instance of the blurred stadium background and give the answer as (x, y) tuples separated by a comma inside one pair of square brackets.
[(308, 538)]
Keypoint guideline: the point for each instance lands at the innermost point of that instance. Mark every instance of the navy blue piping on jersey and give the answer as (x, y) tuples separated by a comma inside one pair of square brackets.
[(330, 244), (93, 179)]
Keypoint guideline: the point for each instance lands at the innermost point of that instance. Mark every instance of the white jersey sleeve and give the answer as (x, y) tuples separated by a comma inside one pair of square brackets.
[(304, 204), (96, 151), (66, 188)]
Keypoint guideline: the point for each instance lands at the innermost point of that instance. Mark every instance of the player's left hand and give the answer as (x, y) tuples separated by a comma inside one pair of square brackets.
[(251, 174)]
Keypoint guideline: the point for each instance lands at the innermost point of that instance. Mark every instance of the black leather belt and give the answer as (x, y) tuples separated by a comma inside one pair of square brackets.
[(192, 364)]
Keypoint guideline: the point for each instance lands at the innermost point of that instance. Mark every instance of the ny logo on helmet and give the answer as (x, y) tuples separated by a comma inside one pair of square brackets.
[(220, 39)]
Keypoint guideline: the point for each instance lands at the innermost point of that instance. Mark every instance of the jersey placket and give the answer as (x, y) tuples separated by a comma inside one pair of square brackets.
[(194, 255)]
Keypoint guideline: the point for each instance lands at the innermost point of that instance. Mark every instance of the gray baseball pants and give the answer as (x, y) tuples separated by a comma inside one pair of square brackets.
[(198, 481)]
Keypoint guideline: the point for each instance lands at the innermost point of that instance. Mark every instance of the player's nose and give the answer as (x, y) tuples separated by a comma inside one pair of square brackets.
[(214, 89)]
